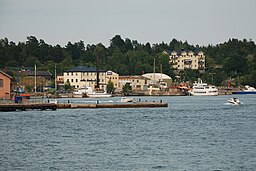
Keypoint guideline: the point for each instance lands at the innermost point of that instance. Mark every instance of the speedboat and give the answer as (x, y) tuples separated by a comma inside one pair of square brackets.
[(126, 99), (203, 89), (234, 101)]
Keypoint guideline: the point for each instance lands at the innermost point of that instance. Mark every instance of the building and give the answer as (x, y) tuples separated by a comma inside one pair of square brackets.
[(159, 79), (136, 82), (26, 79), (113, 77), (5, 85), (187, 60), (83, 76)]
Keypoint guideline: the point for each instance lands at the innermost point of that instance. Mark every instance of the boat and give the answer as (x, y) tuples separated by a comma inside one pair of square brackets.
[(247, 90), (203, 89), (234, 101), (88, 92), (126, 99)]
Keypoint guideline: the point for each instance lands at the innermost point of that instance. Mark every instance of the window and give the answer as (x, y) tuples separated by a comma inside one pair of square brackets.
[(67, 73), (72, 80), (1, 83), (76, 80)]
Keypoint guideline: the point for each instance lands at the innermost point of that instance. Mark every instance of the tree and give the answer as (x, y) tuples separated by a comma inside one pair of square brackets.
[(127, 89), (110, 87), (67, 85)]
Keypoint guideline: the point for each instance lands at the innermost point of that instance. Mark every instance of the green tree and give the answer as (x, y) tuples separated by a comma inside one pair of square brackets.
[(126, 89), (110, 87)]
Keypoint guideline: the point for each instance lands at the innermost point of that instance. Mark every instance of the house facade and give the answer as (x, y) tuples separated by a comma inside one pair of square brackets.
[(83, 76), (187, 60), (27, 79), (136, 82), (5, 85), (113, 77)]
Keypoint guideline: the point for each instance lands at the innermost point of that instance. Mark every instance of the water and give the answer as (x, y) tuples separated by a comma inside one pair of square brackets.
[(193, 133)]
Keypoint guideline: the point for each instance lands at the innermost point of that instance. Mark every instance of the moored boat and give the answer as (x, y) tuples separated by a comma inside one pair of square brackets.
[(203, 89), (247, 90), (126, 99)]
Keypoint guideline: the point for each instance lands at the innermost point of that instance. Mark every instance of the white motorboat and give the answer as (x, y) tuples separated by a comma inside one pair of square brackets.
[(203, 89), (88, 92), (234, 101), (126, 99)]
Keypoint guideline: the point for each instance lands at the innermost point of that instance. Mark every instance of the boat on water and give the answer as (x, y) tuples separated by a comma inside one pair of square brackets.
[(247, 90), (234, 101), (203, 89), (88, 92), (126, 99)]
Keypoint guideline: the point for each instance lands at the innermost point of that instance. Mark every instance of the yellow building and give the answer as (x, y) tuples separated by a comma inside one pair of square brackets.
[(187, 60), (137, 82), (83, 76), (113, 77)]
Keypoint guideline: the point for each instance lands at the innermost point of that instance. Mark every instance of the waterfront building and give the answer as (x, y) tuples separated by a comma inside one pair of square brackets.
[(137, 82), (5, 85), (113, 77), (84, 76), (181, 60), (158, 79)]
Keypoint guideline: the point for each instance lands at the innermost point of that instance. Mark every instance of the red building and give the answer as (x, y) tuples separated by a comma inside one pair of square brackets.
[(5, 85)]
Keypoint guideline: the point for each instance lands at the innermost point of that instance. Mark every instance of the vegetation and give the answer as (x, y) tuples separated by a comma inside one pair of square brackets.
[(235, 59)]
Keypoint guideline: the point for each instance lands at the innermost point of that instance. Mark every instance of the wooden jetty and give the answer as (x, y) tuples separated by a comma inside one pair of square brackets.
[(119, 105), (27, 106), (52, 106)]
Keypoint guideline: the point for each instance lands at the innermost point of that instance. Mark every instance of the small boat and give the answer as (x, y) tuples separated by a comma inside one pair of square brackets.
[(234, 101), (126, 99), (54, 101)]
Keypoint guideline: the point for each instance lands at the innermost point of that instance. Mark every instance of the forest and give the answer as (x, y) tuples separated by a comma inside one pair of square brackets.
[(233, 60)]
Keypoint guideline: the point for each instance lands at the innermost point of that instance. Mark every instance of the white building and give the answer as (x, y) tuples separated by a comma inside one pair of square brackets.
[(83, 76)]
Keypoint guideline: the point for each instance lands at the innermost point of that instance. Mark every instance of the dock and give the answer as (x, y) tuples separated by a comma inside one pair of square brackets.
[(52, 106), (119, 105), (28, 106)]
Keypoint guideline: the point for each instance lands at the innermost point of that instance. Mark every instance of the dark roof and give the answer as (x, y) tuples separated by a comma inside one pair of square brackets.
[(38, 73), (5, 74), (180, 51), (84, 69)]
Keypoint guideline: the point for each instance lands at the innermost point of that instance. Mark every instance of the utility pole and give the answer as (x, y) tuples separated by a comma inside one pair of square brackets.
[(55, 76), (35, 78)]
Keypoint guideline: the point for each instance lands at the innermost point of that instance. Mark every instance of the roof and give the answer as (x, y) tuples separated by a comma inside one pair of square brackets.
[(158, 76), (169, 52), (5, 74), (84, 69), (133, 77), (38, 73)]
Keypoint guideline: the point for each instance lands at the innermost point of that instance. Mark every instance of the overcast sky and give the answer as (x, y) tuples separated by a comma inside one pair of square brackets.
[(199, 22)]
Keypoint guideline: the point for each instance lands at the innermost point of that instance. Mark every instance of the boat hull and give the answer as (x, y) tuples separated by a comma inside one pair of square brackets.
[(244, 92)]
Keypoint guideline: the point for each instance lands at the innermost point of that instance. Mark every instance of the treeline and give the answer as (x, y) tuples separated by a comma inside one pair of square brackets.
[(235, 59)]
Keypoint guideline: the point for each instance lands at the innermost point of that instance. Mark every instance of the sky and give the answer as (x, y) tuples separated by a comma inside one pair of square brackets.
[(199, 22)]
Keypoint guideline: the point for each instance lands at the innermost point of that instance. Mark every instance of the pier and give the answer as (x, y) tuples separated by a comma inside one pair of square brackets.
[(28, 106), (119, 105), (51, 106)]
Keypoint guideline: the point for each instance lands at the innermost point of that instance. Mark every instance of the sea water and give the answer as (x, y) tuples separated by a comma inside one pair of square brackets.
[(193, 133)]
